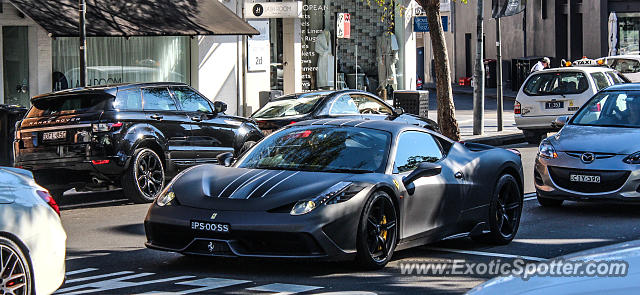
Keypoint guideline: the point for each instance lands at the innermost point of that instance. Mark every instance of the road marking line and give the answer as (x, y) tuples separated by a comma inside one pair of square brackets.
[(117, 283), (530, 196), (87, 256), (284, 288), (98, 277), (486, 254), (79, 271), (90, 204)]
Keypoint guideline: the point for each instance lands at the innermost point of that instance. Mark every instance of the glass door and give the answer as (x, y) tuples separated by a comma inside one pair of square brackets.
[(15, 61)]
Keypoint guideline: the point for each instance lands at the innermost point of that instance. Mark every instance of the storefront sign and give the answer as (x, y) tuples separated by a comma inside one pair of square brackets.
[(344, 25), (258, 47), (273, 9), (420, 24)]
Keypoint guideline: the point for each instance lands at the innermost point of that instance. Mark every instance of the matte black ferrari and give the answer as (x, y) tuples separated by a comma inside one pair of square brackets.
[(340, 189)]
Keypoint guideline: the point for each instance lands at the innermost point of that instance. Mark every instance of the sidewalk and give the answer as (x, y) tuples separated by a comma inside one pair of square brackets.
[(468, 90)]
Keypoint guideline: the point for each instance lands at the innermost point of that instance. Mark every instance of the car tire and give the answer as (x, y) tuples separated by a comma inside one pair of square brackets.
[(377, 234), (534, 137), (12, 253), (547, 202), (505, 210), (144, 179)]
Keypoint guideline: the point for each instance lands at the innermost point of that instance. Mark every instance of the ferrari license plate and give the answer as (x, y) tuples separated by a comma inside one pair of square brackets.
[(554, 105), (55, 135), (215, 227), (584, 178)]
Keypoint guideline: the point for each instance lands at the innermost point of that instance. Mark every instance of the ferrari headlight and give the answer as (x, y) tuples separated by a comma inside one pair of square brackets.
[(166, 196), (546, 150), (339, 192), (633, 158)]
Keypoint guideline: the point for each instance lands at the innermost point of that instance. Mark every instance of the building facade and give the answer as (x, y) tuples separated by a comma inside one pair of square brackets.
[(292, 54), (559, 29)]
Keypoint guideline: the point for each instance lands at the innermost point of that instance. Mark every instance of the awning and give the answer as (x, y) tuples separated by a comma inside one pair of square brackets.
[(136, 17)]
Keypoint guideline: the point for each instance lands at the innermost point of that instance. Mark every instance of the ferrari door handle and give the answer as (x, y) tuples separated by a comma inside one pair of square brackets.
[(459, 175), (196, 119), (156, 117)]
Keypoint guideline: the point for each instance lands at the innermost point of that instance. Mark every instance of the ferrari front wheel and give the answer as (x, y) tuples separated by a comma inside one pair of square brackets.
[(377, 232)]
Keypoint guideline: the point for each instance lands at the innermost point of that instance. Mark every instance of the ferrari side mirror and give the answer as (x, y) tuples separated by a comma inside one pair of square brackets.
[(425, 169), (225, 159)]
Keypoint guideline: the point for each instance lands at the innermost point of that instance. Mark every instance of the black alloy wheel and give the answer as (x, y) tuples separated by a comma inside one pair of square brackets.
[(377, 232), (145, 178), (15, 273), (505, 211)]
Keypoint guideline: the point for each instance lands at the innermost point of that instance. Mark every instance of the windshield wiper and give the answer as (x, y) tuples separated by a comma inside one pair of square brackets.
[(346, 170)]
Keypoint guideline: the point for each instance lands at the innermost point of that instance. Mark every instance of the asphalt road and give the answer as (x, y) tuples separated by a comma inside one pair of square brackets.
[(106, 254)]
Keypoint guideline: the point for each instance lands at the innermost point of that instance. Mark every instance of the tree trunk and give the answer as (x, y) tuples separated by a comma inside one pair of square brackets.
[(446, 108)]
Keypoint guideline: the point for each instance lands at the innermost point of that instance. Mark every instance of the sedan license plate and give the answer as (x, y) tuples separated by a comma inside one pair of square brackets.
[(554, 105), (584, 178), (215, 227), (55, 135)]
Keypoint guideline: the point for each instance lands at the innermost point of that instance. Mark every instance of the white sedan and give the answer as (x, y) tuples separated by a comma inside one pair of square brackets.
[(32, 240), (624, 280), (627, 65), (548, 94)]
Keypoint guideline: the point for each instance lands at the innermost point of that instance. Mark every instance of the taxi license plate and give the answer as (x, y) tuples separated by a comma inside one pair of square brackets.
[(55, 135), (215, 227), (584, 178), (554, 105)]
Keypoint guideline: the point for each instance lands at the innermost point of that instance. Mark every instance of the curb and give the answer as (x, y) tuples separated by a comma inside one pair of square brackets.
[(491, 95), (499, 140)]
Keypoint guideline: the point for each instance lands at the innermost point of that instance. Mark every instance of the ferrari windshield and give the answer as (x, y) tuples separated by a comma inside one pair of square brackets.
[(321, 148), (611, 109), (288, 107)]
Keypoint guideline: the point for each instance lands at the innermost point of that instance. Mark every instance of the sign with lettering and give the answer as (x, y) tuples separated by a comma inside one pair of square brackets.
[(258, 47), (420, 24), (344, 25), (291, 9)]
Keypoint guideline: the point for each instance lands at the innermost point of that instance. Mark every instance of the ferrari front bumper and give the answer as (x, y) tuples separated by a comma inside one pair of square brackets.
[(253, 234)]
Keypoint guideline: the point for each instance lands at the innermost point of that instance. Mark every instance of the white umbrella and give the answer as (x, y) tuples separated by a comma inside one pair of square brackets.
[(613, 33)]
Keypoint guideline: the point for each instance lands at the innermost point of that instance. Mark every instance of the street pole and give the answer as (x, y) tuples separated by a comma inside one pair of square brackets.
[(524, 30), (499, 73), (83, 43), (335, 54), (478, 91)]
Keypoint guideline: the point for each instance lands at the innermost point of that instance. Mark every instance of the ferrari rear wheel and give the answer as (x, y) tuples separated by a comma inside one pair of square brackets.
[(377, 232), (15, 273), (505, 211)]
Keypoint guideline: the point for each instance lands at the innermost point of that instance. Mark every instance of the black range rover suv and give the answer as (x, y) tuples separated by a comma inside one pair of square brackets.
[(130, 136)]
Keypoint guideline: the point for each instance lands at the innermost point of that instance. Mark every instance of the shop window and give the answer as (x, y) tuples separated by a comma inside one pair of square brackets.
[(113, 60)]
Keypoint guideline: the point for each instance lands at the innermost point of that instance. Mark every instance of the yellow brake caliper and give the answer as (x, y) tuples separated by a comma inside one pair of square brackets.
[(383, 233)]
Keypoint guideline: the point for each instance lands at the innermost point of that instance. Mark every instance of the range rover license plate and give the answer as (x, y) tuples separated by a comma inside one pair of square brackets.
[(55, 135)]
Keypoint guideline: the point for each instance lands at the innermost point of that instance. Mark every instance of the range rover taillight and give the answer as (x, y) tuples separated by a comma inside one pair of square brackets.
[(46, 196), (104, 127)]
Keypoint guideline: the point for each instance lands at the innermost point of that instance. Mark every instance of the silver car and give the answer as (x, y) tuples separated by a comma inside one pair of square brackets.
[(596, 155)]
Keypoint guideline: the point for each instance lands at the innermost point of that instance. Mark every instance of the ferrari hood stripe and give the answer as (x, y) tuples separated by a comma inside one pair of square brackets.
[(279, 182), (249, 180), (263, 183), (230, 183)]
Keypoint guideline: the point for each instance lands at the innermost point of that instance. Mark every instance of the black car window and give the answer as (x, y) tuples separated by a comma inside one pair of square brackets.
[(601, 80), (68, 104), (158, 99), (626, 66), (369, 105), (615, 77), (344, 105), (190, 100), (130, 99), (413, 148), (550, 83)]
